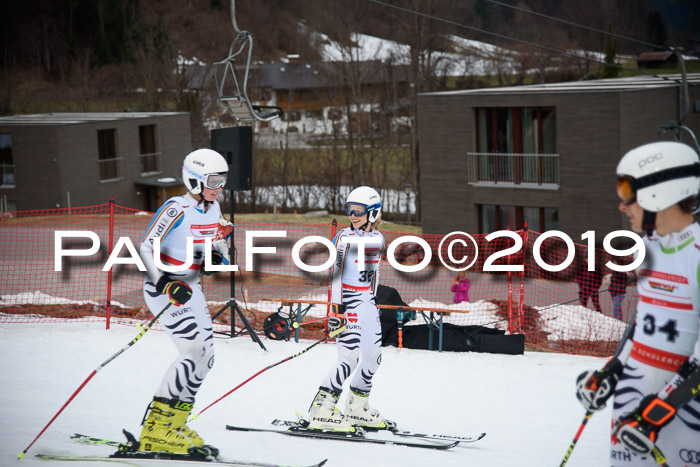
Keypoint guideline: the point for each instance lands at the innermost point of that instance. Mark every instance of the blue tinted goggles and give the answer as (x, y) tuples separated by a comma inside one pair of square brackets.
[(359, 210)]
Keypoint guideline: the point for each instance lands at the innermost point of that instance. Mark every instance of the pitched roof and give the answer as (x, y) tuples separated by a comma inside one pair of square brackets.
[(315, 75), (632, 83), (73, 118), (653, 56)]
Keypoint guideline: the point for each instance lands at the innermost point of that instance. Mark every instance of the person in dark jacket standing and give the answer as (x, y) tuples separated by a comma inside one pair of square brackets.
[(618, 289), (588, 285)]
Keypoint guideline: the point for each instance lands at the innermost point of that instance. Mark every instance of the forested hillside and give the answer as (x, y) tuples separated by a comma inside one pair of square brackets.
[(86, 54), (127, 55)]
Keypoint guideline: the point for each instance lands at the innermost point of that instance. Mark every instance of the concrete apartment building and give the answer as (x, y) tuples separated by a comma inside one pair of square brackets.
[(81, 159), (491, 159)]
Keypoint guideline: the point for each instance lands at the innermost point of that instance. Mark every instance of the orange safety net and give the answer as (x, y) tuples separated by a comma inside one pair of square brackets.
[(547, 307)]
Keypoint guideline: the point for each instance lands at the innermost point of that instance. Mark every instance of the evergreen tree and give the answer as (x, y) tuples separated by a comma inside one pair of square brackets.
[(609, 68), (656, 29)]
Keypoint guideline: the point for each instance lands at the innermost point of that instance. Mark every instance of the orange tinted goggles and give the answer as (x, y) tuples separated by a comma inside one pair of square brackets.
[(625, 190)]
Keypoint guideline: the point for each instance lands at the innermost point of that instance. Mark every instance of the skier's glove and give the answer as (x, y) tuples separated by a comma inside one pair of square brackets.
[(337, 317), (178, 292), (638, 430), (595, 387), (216, 260)]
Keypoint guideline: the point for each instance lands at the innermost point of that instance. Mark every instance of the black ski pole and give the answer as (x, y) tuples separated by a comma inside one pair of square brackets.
[(94, 372), (625, 335)]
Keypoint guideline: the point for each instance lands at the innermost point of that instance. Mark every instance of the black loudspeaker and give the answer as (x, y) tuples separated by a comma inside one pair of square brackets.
[(236, 145)]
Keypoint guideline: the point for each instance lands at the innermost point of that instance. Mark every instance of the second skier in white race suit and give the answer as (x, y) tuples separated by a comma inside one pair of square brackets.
[(353, 288), (655, 379)]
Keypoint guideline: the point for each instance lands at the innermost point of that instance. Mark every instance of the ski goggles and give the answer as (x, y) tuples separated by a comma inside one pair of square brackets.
[(627, 187), (359, 210), (214, 181), (354, 209), (625, 191)]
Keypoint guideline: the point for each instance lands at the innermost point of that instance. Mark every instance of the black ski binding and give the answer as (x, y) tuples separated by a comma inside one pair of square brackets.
[(130, 449)]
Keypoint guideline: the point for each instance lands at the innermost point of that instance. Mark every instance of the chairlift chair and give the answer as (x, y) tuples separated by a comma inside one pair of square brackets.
[(675, 128), (239, 103)]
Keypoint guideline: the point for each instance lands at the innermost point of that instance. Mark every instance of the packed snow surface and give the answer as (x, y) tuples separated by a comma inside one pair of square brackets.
[(524, 403)]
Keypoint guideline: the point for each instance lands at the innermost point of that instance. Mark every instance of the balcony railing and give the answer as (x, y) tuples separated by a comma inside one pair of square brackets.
[(7, 174), (109, 169), (528, 170), (150, 163)]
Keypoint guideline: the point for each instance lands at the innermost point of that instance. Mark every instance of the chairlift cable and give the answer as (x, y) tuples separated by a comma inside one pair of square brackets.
[(685, 104), (571, 23), (522, 41)]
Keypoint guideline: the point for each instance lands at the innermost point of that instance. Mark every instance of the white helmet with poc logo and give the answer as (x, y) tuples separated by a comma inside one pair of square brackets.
[(660, 174), (369, 199), (204, 168)]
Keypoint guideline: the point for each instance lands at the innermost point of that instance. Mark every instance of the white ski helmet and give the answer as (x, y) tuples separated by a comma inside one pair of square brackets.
[(659, 174), (204, 168), (369, 198)]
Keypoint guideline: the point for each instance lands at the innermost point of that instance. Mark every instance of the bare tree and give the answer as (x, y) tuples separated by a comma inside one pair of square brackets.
[(424, 38)]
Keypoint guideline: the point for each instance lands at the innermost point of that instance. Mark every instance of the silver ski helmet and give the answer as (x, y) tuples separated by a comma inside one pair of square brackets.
[(367, 197), (204, 168), (658, 175)]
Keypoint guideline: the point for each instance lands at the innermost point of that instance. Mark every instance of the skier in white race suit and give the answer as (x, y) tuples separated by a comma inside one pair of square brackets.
[(353, 289), (655, 379), (194, 215)]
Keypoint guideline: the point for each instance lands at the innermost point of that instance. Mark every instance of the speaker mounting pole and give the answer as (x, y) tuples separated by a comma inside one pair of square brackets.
[(236, 145)]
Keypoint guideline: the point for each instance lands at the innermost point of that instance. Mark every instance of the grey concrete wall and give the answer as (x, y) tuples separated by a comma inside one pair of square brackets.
[(587, 142), (52, 160), (34, 155), (79, 156), (445, 133), (594, 130)]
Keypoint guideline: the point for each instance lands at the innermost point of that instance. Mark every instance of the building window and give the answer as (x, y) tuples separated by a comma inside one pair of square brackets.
[(7, 166), (515, 145), (497, 217), (314, 114), (291, 116), (148, 149), (334, 114), (551, 219), (107, 154), (524, 130)]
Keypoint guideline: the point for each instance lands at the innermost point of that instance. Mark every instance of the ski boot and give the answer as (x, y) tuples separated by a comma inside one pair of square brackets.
[(182, 412), (160, 434), (323, 414), (359, 413)]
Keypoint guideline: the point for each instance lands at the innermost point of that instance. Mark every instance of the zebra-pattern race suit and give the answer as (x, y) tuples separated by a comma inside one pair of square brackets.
[(666, 335), (188, 325), (190, 329), (360, 346)]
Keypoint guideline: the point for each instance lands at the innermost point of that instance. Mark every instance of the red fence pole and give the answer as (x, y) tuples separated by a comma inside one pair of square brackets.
[(109, 251), (509, 274), (522, 275)]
